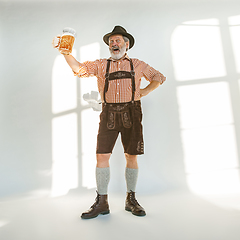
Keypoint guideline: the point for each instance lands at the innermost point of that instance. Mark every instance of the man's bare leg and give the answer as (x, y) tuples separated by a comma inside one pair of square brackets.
[(103, 160), (131, 161)]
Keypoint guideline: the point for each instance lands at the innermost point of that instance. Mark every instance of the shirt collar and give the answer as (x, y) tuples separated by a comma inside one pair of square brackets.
[(124, 57)]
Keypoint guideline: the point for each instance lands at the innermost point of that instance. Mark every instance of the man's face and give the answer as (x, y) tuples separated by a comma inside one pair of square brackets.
[(117, 46)]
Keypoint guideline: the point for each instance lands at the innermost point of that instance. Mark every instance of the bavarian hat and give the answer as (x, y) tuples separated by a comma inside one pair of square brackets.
[(119, 30)]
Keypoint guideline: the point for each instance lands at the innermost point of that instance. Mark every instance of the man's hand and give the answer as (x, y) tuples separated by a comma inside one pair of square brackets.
[(143, 92), (150, 87), (56, 41)]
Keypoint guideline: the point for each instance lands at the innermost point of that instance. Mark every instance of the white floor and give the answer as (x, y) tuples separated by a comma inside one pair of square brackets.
[(170, 216)]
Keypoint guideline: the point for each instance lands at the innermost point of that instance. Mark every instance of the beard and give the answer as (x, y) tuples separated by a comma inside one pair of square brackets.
[(117, 53)]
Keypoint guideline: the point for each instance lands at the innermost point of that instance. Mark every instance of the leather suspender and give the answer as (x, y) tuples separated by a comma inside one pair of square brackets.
[(106, 80), (119, 75), (133, 80)]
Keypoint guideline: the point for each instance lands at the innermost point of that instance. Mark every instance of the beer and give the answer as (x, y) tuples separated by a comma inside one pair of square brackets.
[(66, 44), (67, 41)]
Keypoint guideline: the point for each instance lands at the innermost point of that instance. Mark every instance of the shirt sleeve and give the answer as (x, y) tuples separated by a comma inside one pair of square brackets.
[(87, 69), (152, 74)]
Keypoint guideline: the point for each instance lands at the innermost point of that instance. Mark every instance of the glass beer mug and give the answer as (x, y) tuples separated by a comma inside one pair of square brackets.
[(67, 40)]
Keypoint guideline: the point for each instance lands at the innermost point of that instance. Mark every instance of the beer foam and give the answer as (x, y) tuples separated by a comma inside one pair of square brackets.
[(68, 34), (69, 31)]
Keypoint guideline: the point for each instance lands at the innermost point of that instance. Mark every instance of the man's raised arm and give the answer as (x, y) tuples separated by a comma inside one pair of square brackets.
[(72, 62)]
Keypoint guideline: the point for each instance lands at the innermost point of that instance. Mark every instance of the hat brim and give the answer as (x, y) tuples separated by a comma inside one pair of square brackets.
[(129, 36)]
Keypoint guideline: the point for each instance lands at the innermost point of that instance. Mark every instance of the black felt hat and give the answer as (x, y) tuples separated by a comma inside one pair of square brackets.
[(122, 31)]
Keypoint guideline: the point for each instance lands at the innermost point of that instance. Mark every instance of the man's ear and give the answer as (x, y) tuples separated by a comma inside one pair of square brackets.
[(127, 45)]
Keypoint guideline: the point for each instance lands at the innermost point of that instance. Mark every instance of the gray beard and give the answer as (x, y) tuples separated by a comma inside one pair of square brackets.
[(121, 53)]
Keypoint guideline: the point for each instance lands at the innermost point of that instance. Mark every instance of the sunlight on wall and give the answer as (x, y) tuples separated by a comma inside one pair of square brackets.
[(89, 52), (234, 23), (64, 125), (65, 154), (64, 129), (64, 94), (89, 132), (208, 138), (197, 50), (4, 223), (204, 105), (205, 111), (90, 119)]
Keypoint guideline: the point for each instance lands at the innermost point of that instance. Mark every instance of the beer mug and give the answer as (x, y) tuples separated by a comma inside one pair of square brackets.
[(67, 40)]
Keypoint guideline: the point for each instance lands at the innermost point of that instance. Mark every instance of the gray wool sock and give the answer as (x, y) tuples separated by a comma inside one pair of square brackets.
[(102, 179), (131, 176)]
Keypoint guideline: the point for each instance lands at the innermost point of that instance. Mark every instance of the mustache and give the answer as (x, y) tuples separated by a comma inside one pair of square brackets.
[(115, 48)]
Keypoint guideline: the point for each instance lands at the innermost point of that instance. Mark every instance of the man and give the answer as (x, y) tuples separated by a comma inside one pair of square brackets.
[(119, 79)]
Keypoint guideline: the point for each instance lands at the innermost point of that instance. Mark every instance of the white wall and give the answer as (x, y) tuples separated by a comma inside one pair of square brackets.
[(27, 58)]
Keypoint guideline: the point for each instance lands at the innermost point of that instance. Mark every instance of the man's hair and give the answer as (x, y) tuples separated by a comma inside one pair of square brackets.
[(126, 40)]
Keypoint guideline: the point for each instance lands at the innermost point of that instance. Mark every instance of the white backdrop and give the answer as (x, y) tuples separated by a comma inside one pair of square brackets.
[(191, 122)]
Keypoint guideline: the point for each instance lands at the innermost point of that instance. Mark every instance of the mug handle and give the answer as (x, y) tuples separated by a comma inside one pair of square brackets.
[(59, 41), (56, 44)]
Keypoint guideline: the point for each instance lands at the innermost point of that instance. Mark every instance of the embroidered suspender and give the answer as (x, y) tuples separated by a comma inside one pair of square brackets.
[(119, 75)]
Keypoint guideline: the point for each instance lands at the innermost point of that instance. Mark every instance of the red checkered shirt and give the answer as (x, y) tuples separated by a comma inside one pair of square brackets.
[(119, 90)]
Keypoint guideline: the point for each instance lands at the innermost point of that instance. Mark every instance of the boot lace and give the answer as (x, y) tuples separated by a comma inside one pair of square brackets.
[(96, 201), (133, 199)]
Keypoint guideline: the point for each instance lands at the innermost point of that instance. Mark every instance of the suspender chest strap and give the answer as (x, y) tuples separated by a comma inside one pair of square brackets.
[(119, 75)]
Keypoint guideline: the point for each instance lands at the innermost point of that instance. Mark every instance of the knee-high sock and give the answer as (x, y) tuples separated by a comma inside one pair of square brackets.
[(131, 176), (102, 179)]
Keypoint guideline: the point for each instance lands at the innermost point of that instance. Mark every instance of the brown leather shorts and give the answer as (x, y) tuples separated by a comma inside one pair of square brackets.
[(124, 118)]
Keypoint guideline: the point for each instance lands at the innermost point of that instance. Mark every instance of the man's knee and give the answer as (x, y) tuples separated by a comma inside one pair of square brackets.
[(103, 160), (131, 160), (130, 157)]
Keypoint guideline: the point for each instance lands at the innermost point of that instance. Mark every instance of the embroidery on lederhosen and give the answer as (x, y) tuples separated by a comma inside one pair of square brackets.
[(111, 120), (126, 119), (140, 147)]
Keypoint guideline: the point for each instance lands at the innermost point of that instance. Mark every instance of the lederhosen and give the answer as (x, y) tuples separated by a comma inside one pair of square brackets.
[(123, 117)]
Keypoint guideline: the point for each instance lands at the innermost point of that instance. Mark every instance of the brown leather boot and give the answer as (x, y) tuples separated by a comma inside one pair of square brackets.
[(99, 207), (133, 206)]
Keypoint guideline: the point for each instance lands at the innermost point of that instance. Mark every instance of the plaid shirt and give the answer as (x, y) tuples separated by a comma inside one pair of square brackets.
[(119, 90)]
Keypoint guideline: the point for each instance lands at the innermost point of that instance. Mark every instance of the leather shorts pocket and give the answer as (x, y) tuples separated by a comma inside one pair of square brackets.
[(126, 119)]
